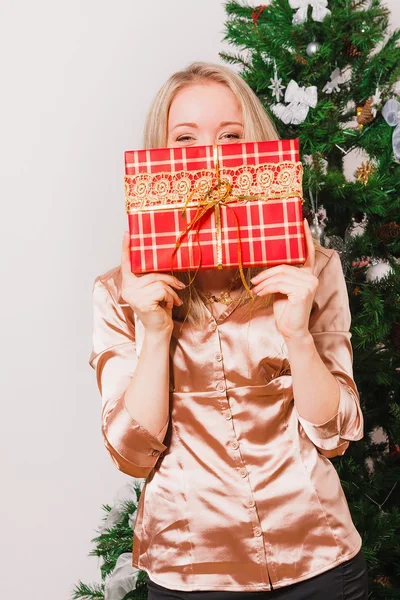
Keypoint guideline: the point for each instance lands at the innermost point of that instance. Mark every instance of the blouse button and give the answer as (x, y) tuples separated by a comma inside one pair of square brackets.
[(213, 326), (155, 452), (257, 531), (218, 357), (221, 387), (250, 502), (235, 445), (243, 472), (228, 416)]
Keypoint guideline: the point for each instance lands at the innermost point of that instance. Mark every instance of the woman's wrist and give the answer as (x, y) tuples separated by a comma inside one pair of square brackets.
[(300, 342), (158, 337)]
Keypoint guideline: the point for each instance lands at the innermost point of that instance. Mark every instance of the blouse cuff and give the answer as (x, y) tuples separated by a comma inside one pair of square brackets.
[(345, 425), (129, 442)]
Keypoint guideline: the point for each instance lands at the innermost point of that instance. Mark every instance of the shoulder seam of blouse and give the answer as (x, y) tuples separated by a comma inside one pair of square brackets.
[(103, 281), (115, 303), (327, 262), (105, 276)]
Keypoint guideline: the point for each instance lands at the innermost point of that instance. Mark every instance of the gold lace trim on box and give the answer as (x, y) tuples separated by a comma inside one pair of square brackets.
[(158, 191)]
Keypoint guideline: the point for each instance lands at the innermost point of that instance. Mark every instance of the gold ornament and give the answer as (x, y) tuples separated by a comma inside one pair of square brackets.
[(300, 59), (387, 232), (365, 114), (364, 172), (350, 48), (383, 580)]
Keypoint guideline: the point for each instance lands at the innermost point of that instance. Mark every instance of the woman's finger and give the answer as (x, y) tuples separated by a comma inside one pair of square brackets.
[(287, 280), (290, 270), (154, 299), (159, 291), (149, 278), (280, 285), (165, 297)]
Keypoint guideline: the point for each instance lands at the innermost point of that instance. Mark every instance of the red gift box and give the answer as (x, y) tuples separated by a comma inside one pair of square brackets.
[(215, 206)]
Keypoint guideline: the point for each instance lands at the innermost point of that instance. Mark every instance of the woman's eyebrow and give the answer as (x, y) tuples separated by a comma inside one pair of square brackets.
[(225, 123), (194, 125)]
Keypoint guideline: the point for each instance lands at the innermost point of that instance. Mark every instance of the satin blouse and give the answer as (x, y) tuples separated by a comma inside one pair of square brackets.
[(237, 493)]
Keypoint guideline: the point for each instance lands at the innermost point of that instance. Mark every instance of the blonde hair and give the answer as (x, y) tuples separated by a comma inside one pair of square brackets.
[(257, 127)]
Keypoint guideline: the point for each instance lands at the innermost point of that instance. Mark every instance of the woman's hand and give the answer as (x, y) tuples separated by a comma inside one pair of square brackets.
[(151, 295), (294, 290)]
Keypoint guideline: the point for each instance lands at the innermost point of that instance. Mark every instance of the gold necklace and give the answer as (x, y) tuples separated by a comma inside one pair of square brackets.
[(224, 297)]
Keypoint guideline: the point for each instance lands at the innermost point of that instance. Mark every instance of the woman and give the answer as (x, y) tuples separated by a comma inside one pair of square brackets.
[(240, 495)]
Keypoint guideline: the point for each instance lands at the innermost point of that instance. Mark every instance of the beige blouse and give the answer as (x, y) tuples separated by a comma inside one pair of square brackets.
[(237, 494)]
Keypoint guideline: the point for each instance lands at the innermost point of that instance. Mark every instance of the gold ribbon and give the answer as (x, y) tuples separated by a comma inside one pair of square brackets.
[(205, 206)]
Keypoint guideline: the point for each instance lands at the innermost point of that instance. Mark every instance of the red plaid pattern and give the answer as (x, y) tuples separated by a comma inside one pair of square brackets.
[(192, 158), (271, 231)]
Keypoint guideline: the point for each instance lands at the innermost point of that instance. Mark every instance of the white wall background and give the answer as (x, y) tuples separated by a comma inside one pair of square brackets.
[(76, 80)]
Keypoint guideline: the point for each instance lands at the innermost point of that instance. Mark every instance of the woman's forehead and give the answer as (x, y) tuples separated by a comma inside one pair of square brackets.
[(208, 101)]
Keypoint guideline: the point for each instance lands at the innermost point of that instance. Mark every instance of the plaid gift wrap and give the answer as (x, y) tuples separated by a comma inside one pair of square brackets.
[(218, 206)]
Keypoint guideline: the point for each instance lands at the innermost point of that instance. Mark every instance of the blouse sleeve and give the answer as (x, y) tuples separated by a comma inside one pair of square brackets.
[(329, 324), (133, 449)]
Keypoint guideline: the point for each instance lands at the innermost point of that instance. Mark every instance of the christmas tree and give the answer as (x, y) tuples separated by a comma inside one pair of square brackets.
[(121, 581), (328, 73)]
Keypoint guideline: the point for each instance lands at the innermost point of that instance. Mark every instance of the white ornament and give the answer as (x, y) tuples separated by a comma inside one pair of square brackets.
[(317, 231), (378, 270), (337, 78), (319, 11), (300, 100), (297, 19), (123, 578), (322, 216), (302, 95), (125, 494), (313, 48), (276, 85), (355, 228), (376, 101), (266, 57), (391, 114), (308, 159)]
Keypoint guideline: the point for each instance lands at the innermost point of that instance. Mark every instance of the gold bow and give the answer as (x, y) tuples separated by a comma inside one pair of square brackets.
[(224, 196)]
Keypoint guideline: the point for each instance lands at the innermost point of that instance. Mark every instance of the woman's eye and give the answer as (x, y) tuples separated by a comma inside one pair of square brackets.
[(184, 138)]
